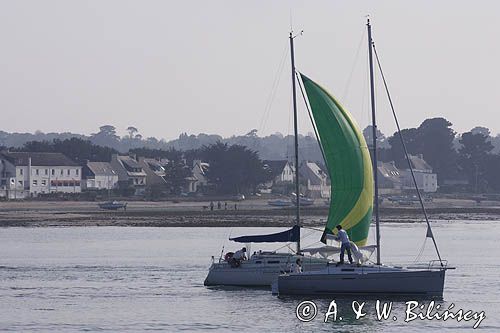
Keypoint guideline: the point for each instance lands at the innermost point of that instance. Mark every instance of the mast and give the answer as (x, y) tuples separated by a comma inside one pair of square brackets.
[(374, 137), (294, 94)]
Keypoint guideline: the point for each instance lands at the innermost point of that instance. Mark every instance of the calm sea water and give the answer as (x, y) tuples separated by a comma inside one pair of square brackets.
[(139, 279)]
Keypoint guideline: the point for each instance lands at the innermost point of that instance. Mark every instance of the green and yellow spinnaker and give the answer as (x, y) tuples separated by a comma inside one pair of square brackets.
[(348, 162)]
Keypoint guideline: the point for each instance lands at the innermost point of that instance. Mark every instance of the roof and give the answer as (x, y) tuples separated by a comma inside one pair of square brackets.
[(37, 159), (312, 172), (389, 175), (418, 162), (130, 162), (101, 168), (275, 166), (153, 164)]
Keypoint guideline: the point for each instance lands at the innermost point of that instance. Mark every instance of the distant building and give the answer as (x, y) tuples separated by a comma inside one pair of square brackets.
[(199, 178), (425, 178), (155, 172), (317, 183), (130, 173), (27, 174), (281, 170), (389, 178), (99, 176)]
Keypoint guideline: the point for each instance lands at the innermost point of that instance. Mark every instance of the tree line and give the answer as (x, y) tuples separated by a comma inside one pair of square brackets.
[(236, 162)]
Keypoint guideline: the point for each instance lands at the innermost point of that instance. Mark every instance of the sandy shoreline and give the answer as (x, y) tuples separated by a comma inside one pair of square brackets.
[(249, 213)]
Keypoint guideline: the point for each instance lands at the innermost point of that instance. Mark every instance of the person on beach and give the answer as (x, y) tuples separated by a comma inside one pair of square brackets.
[(343, 238)]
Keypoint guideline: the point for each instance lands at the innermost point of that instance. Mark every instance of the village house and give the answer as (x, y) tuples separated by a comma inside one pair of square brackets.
[(198, 180), (155, 172), (316, 180), (282, 174), (130, 173), (425, 178), (281, 170), (99, 176), (389, 178), (27, 174)]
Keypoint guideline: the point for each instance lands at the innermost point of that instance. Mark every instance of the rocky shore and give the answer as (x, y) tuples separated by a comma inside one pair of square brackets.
[(249, 213)]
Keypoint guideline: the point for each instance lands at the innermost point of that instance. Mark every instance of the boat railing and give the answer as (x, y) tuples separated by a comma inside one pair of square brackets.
[(431, 265)]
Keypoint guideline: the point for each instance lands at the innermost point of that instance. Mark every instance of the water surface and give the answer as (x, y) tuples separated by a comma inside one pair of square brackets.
[(138, 279)]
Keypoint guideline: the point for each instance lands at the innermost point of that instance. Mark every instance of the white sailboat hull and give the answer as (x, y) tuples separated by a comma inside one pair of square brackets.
[(259, 271), (364, 280)]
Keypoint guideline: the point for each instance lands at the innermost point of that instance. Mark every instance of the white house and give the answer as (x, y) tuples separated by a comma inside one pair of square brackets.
[(316, 180), (99, 176), (199, 177), (281, 170), (426, 180), (27, 174)]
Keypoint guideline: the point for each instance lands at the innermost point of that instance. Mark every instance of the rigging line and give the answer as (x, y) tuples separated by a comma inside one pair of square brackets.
[(406, 155), (274, 88), (417, 258), (356, 58)]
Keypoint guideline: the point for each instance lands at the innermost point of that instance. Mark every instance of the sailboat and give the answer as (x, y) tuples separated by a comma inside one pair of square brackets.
[(263, 267), (354, 197)]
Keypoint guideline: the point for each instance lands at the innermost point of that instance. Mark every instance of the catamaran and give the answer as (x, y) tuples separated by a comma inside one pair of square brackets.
[(354, 196)]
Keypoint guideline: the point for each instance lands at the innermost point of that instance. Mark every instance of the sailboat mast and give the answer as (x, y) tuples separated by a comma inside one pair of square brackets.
[(296, 134), (374, 137)]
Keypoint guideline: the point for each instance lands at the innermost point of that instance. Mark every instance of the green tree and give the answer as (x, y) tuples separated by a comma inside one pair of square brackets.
[(233, 169), (474, 155), (176, 172)]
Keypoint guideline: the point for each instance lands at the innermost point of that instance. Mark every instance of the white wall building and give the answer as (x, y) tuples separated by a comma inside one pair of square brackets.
[(316, 180), (99, 176), (26, 174), (426, 180)]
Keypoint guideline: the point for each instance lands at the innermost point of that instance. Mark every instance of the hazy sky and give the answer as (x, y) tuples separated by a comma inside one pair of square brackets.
[(209, 66)]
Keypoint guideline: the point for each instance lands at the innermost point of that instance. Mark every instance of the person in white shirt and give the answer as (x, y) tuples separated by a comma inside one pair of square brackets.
[(240, 254), (345, 244), (238, 257)]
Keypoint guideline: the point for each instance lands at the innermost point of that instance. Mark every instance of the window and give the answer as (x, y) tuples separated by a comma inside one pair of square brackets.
[(62, 172), (21, 172), (46, 172), (35, 182), (69, 171), (37, 171), (53, 172), (77, 172), (20, 182), (44, 182)]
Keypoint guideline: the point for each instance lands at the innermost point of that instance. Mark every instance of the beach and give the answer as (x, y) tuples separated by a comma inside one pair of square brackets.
[(248, 213)]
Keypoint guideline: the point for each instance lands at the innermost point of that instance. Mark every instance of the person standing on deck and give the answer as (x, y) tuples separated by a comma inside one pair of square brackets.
[(343, 238)]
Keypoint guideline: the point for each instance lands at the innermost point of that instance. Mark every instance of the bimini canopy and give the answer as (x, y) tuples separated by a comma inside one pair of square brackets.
[(348, 162), (291, 235)]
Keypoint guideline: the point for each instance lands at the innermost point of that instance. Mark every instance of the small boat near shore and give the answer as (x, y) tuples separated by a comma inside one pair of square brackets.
[(113, 205), (280, 203)]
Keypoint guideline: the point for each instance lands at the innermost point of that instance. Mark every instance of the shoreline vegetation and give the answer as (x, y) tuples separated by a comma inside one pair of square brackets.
[(249, 213)]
